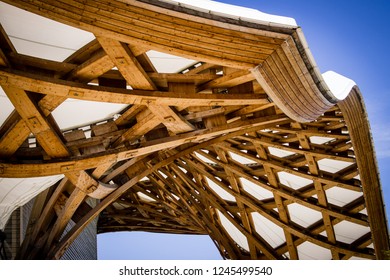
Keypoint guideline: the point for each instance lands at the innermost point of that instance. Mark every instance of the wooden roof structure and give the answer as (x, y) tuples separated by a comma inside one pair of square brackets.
[(246, 143)]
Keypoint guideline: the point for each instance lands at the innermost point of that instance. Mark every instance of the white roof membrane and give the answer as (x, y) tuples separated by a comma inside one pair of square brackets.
[(241, 159), (348, 232), (279, 152), (6, 106), (303, 215), (320, 140), (255, 190), (41, 37), (340, 196), (233, 231), (145, 197), (168, 63), (311, 251), (220, 191), (293, 181), (203, 158), (75, 113), (339, 85), (236, 12), (332, 165), (271, 232)]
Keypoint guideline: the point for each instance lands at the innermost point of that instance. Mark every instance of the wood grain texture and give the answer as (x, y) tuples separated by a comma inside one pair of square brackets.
[(247, 145)]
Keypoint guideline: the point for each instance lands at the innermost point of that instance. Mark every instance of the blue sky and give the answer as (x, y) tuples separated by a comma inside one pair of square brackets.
[(348, 37)]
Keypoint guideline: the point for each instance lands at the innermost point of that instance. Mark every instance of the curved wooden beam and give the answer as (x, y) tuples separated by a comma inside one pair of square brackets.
[(180, 169), (355, 114), (67, 89), (102, 190), (287, 80)]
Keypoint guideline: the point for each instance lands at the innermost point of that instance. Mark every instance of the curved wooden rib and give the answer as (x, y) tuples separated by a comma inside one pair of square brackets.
[(356, 115), (102, 190), (288, 81), (66, 89)]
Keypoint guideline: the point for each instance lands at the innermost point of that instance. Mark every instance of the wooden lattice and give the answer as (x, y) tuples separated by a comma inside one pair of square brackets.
[(246, 145)]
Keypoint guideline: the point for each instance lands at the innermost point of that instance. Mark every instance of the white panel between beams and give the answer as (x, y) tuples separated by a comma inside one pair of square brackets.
[(234, 232), (236, 12), (6, 107), (41, 37)]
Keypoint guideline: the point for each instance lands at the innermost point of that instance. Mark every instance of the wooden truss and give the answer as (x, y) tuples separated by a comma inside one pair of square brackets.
[(229, 147)]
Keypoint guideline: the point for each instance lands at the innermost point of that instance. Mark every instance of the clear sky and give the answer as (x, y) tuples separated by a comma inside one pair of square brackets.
[(349, 37)]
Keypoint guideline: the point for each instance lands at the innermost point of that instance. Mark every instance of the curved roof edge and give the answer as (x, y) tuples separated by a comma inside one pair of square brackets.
[(333, 86), (315, 93), (355, 114)]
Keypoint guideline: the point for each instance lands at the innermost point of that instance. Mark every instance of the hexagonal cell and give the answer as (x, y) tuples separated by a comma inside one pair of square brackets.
[(279, 152), (348, 232), (293, 181), (311, 251), (145, 197), (234, 232), (271, 232), (241, 159), (204, 159), (255, 190), (167, 63), (331, 165), (320, 140), (303, 215), (340, 197), (220, 191)]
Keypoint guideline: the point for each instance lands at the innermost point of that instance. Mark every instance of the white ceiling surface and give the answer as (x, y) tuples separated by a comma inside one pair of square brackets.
[(75, 113), (40, 37), (6, 106)]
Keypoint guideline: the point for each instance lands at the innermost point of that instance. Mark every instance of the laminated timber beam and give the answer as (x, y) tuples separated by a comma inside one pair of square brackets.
[(67, 89), (355, 114)]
